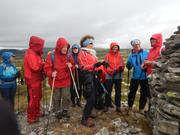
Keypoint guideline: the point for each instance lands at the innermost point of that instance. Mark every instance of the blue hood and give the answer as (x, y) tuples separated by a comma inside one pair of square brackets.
[(6, 57), (76, 46)]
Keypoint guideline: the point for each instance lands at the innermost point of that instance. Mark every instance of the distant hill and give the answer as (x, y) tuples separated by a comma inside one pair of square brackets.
[(20, 52)]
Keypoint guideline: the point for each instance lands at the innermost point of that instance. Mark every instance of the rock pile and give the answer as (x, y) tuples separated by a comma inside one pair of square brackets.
[(165, 89)]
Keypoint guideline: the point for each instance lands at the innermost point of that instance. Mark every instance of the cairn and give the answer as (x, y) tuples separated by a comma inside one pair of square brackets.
[(165, 89)]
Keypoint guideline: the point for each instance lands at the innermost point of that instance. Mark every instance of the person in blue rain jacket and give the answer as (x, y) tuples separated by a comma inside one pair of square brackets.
[(135, 60), (8, 75)]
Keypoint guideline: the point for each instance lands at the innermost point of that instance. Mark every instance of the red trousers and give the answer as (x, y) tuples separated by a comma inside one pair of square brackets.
[(35, 95)]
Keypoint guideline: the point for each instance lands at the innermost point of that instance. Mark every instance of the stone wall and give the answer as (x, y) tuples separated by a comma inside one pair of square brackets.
[(165, 89)]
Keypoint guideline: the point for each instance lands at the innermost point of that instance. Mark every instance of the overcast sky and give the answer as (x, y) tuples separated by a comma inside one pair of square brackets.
[(106, 20)]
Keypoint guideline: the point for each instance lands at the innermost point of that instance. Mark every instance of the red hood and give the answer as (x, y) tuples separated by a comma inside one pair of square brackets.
[(61, 42), (112, 45), (36, 44), (159, 39)]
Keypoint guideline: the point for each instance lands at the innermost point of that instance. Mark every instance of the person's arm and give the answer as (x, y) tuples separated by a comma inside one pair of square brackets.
[(122, 65), (129, 64), (34, 63), (48, 66)]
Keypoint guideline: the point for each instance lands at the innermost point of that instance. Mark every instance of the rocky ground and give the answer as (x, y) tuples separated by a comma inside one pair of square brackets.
[(109, 123)]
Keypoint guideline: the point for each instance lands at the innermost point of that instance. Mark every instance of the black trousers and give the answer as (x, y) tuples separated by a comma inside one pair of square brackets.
[(89, 93), (143, 92), (109, 85), (78, 81)]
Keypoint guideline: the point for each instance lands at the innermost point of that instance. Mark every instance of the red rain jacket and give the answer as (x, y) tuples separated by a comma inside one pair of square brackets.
[(115, 60), (63, 78), (33, 63), (86, 60), (154, 52)]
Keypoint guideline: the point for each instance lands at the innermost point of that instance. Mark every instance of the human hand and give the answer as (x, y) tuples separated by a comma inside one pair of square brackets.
[(54, 74), (69, 65)]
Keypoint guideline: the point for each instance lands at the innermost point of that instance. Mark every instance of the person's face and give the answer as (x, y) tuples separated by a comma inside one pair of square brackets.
[(153, 42), (64, 50), (90, 46), (11, 59), (136, 47), (75, 50), (115, 49)]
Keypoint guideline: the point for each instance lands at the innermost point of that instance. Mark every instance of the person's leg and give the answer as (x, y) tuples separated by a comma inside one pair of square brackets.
[(90, 97), (65, 99), (73, 95), (117, 93), (39, 96), (30, 109), (108, 99), (56, 100), (12, 95), (143, 94), (132, 93), (5, 94)]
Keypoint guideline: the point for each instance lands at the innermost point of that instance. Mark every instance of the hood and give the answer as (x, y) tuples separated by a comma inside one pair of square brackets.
[(61, 42), (6, 56), (158, 37), (75, 46), (36, 44), (112, 45)]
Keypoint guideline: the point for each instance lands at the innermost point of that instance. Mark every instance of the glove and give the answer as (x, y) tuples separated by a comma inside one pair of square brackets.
[(105, 64), (98, 64), (121, 69), (22, 81), (100, 71), (18, 74)]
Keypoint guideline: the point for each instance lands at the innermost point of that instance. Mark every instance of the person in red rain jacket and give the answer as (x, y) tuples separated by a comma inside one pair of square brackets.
[(33, 73), (58, 67), (87, 58), (155, 51), (114, 75)]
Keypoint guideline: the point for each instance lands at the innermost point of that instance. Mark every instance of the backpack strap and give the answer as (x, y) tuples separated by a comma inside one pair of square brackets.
[(52, 57)]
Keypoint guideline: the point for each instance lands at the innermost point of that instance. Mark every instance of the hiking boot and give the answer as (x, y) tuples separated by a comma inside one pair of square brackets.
[(79, 104), (58, 115), (73, 105), (40, 114), (93, 113), (87, 123), (141, 111), (118, 109), (111, 105), (65, 114), (106, 109)]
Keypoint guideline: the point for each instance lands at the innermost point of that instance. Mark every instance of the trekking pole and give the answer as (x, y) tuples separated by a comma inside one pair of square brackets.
[(18, 92), (43, 98), (74, 83), (50, 103)]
